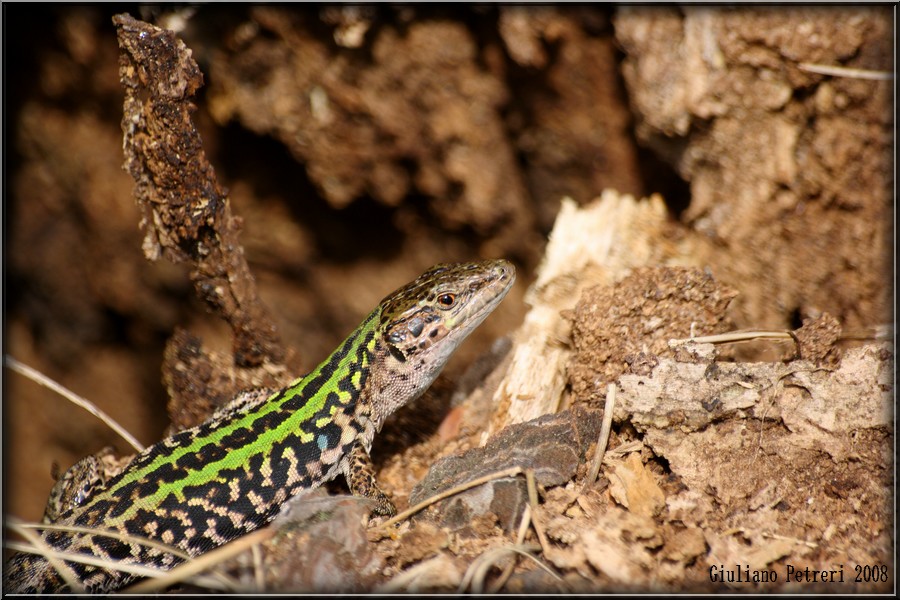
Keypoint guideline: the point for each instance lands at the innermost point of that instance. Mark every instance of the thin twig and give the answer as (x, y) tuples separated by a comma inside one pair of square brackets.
[(201, 563), (520, 539), (110, 565), (603, 440), (45, 381), (733, 336), (40, 547), (533, 501), (110, 533), (510, 472), (838, 71), (12, 522), (478, 569)]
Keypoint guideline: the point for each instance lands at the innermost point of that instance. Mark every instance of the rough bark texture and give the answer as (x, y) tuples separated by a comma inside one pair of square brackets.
[(185, 214)]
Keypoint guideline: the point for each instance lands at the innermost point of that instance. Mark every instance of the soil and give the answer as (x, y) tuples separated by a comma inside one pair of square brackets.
[(327, 155)]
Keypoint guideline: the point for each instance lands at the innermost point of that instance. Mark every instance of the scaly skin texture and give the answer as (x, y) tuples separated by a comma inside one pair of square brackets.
[(205, 486)]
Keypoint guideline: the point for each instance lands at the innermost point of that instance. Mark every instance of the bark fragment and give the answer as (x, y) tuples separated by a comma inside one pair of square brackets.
[(185, 212)]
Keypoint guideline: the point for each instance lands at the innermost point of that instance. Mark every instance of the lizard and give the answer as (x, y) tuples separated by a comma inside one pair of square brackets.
[(205, 486)]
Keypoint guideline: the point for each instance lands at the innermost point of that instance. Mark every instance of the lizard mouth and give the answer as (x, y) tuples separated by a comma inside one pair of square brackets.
[(485, 305)]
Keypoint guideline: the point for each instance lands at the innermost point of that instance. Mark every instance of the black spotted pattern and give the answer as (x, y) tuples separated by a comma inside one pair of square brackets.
[(249, 500)]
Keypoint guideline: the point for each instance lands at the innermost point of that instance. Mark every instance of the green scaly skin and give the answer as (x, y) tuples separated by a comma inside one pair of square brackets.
[(205, 486)]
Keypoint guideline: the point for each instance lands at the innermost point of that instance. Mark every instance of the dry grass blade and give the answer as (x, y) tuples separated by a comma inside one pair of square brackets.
[(883, 333), (216, 581), (258, 576), (779, 381), (88, 559), (110, 533), (45, 381), (533, 502), (85, 559), (734, 336), (491, 557), (202, 563), (404, 580), (39, 547), (603, 440), (510, 472), (838, 71), (520, 539), (477, 571), (785, 538)]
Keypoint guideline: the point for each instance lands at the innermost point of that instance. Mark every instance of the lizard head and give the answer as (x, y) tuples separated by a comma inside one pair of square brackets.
[(423, 323), (425, 320)]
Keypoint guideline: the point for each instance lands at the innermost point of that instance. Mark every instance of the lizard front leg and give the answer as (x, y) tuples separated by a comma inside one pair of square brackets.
[(360, 474)]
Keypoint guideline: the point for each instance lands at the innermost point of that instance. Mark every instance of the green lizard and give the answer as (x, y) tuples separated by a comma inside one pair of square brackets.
[(205, 486)]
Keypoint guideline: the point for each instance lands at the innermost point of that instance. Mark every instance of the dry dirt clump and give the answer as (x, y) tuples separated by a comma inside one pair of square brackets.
[(817, 340), (616, 328)]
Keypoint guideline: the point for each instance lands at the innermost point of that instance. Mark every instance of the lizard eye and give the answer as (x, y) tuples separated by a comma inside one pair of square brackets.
[(446, 301)]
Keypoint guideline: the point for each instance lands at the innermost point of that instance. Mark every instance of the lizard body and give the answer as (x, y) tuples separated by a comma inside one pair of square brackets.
[(204, 486)]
